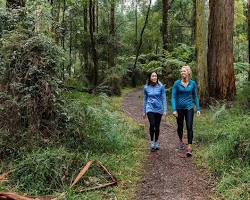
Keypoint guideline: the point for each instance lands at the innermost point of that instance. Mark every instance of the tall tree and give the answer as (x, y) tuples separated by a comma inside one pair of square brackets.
[(14, 4), (221, 79), (93, 15), (248, 5), (140, 44), (194, 22), (201, 53), (112, 18), (93, 42), (55, 12), (85, 27), (97, 15), (111, 61), (165, 5), (136, 23)]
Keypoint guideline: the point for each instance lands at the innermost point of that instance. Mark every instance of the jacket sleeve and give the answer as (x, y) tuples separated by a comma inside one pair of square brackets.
[(173, 97), (145, 98), (195, 96), (164, 99)]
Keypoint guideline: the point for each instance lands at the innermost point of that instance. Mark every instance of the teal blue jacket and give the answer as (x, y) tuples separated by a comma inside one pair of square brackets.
[(182, 97)]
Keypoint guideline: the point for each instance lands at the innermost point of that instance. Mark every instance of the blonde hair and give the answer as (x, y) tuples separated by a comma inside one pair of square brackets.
[(186, 67)]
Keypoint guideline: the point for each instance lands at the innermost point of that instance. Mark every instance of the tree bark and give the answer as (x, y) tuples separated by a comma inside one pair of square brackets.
[(201, 53), (111, 61), (93, 43), (93, 15), (55, 12), (84, 46), (194, 22), (112, 18), (70, 46), (140, 44), (97, 15), (221, 79), (136, 23), (165, 6)]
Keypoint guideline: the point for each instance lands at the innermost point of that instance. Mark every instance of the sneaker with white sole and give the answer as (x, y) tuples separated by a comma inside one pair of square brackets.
[(157, 145), (189, 152), (181, 146), (152, 146)]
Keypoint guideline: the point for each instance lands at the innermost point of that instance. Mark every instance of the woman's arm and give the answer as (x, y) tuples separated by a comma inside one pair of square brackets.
[(145, 98), (164, 99), (173, 97), (195, 96)]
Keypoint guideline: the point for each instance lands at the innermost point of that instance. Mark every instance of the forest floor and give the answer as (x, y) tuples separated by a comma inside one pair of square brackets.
[(167, 174)]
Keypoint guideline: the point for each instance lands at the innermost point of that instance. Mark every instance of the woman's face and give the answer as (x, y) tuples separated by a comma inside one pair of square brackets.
[(184, 73), (153, 77)]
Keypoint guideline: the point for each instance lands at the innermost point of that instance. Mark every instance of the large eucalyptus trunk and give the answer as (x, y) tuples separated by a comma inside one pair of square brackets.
[(165, 5), (201, 53), (221, 79)]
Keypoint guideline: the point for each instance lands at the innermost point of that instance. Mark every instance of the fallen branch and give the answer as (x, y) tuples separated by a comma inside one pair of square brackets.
[(14, 196), (85, 169), (82, 172)]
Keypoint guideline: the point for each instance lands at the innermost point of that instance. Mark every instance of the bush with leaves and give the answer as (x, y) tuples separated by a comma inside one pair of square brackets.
[(15, 19), (167, 67), (30, 68)]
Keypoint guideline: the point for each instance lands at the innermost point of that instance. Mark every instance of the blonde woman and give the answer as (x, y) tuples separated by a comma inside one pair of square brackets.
[(184, 91)]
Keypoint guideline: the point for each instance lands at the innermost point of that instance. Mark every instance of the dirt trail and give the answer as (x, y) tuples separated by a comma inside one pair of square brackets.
[(166, 175)]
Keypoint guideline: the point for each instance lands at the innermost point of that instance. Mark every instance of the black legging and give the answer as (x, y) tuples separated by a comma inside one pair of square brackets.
[(189, 115), (154, 121)]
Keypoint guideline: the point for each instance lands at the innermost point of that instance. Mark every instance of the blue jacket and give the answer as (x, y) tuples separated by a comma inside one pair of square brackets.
[(154, 99), (182, 98)]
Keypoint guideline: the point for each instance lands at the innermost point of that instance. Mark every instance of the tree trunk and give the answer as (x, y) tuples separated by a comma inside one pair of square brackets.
[(97, 15), (63, 24), (93, 15), (84, 46), (112, 18), (165, 23), (201, 53), (70, 46), (248, 37), (55, 12), (221, 79), (140, 44), (85, 17), (136, 24), (15, 4), (93, 43), (194, 22), (111, 61)]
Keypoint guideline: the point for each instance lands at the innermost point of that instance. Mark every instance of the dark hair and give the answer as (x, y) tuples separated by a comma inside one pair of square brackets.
[(149, 76)]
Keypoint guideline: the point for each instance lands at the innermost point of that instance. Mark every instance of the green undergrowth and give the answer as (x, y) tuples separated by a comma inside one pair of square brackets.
[(223, 135), (96, 129)]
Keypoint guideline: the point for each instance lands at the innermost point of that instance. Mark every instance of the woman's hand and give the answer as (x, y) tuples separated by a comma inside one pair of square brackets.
[(198, 113), (165, 116), (175, 114)]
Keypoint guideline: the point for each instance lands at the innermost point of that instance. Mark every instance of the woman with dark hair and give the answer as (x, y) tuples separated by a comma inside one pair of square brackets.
[(154, 107)]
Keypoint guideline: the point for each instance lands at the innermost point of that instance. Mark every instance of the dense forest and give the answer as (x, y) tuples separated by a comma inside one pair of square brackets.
[(64, 64)]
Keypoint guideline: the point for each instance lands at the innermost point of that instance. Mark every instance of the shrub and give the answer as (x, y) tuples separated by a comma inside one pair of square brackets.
[(31, 67)]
